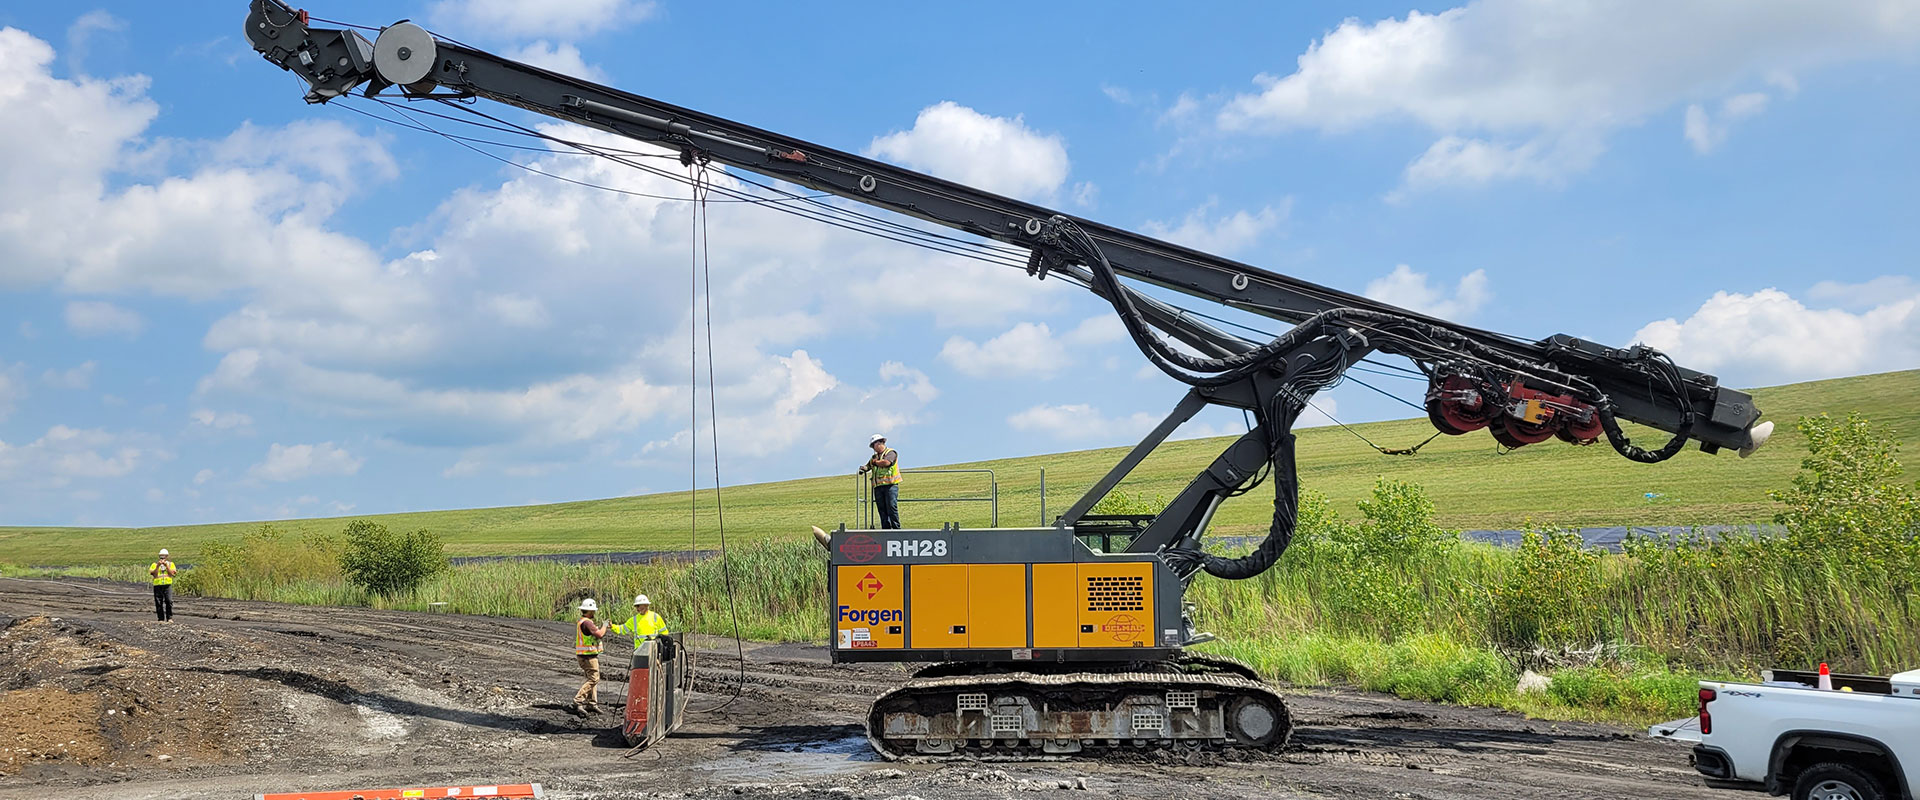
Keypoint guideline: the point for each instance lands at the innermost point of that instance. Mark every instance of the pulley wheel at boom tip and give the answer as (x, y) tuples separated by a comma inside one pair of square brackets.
[(404, 54)]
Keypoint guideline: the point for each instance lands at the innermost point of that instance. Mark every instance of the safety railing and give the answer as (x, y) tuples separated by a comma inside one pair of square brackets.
[(869, 512)]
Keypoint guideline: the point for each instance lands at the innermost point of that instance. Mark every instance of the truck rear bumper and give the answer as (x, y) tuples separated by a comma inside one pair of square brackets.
[(1712, 762)]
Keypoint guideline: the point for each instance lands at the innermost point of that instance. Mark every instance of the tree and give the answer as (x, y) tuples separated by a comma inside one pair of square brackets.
[(387, 563)]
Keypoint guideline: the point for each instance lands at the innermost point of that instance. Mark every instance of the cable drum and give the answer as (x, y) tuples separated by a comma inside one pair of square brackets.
[(404, 54)]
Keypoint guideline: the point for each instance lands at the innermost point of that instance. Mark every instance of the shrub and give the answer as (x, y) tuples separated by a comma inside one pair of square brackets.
[(386, 563), (262, 563), (1554, 578), (1123, 502), (1846, 504)]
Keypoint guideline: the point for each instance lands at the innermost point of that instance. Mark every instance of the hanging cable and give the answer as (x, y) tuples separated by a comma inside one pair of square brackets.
[(704, 276)]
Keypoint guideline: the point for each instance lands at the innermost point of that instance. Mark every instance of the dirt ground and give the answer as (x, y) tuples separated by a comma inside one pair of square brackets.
[(233, 698)]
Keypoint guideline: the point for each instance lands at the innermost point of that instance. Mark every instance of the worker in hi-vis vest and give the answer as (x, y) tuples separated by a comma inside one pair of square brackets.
[(163, 572), (586, 648), (883, 470), (644, 624)]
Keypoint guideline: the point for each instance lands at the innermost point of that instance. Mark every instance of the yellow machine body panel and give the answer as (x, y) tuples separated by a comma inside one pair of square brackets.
[(1056, 605), (1116, 604), (997, 605), (937, 606), (998, 595), (873, 609)]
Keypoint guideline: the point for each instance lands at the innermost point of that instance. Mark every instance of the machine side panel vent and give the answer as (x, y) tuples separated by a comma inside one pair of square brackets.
[(1116, 593)]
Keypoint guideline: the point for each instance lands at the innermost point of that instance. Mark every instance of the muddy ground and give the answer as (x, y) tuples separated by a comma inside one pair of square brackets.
[(236, 698)]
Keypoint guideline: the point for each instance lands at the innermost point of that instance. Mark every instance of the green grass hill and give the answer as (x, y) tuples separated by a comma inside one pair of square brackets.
[(1471, 484)]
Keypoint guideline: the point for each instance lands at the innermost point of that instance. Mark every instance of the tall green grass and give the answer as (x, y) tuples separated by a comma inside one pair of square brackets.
[(1391, 600)]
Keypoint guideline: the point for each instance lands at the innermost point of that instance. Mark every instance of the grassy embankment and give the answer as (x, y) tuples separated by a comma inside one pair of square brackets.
[(1471, 486), (1388, 601)]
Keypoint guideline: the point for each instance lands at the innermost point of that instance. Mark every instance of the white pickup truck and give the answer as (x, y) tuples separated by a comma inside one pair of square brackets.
[(1857, 741)]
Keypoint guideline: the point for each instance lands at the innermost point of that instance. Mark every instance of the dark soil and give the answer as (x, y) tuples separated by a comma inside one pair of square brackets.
[(235, 698)]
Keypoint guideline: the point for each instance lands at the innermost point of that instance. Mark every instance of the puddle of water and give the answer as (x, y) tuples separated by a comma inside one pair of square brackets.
[(796, 760)]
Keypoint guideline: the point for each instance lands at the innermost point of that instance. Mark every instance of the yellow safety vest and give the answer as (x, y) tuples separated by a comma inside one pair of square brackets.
[(889, 474), (160, 576), (642, 626), (584, 644)]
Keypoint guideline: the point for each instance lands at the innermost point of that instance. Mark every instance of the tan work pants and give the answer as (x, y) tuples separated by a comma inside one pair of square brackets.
[(589, 693)]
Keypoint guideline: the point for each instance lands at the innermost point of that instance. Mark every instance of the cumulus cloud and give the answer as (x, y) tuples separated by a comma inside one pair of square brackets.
[(1081, 422), (79, 377), (1768, 337), (66, 454), (562, 57), (294, 462), (1526, 89), (1413, 291), (220, 420), (502, 19), (1029, 349), (96, 318), (1225, 234), (999, 154), (1706, 132)]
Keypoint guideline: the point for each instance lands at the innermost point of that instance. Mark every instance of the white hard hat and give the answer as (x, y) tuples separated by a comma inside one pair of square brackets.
[(641, 600), (878, 437), (589, 605), (163, 551)]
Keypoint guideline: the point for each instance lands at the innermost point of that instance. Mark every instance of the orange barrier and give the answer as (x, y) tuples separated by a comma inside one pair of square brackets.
[(514, 790)]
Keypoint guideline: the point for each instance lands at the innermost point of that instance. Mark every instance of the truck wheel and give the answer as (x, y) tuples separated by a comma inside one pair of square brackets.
[(1829, 780)]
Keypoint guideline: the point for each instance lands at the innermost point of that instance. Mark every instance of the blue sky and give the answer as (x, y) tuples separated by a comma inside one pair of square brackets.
[(223, 304)]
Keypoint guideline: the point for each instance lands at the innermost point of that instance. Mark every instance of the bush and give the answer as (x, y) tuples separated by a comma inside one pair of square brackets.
[(387, 563), (260, 565), (1123, 502), (1846, 504), (1555, 578)]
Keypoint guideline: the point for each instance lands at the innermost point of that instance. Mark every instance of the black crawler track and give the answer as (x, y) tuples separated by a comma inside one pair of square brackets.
[(1222, 685)]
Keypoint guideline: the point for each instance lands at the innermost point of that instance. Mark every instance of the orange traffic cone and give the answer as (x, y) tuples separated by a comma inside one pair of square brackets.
[(1826, 678)]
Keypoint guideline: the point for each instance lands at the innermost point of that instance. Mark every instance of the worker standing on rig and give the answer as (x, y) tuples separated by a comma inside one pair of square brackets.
[(586, 648), (644, 625), (163, 572), (883, 470)]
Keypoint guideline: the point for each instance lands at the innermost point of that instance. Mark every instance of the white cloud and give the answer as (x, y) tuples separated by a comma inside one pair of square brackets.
[(571, 19), (1027, 349), (96, 318), (998, 154), (1768, 337), (66, 454), (81, 33), (220, 420), (1223, 235), (1866, 294), (79, 377), (1706, 133), (1411, 290), (1082, 423), (293, 462), (563, 58), (200, 478), (1529, 89)]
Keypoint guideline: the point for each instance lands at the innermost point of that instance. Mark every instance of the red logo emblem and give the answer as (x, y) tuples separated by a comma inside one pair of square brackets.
[(860, 549), (1123, 627), (871, 585)]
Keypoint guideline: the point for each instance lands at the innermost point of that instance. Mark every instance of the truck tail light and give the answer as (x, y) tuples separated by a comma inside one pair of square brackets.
[(1706, 718)]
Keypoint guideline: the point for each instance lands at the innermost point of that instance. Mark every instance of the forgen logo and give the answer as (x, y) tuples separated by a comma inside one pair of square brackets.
[(860, 548)]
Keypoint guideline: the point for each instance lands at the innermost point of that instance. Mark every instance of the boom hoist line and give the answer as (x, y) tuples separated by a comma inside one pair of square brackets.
[(1097, 656), (1524, 392)]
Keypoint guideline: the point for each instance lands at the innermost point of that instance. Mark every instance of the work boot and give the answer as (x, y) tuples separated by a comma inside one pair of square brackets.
[(593, 708), (579, 709)]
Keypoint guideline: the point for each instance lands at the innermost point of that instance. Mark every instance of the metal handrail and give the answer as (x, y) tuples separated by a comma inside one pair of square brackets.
[(867, 508)]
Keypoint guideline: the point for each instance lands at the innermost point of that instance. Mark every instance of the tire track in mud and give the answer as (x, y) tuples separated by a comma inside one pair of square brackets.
[(390, 697)]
